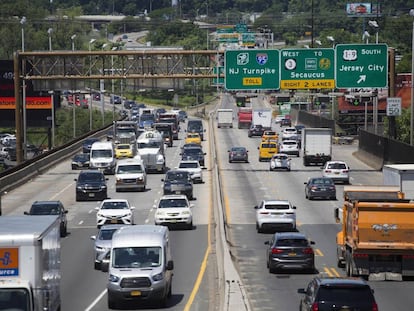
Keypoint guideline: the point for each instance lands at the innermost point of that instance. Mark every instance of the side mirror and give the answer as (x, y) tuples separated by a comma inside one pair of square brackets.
[(132, 207), (294, 207), (26, 213), (301, 291), (266, 243), (93, 237), (336, 215), (170, 265), (256, 207)]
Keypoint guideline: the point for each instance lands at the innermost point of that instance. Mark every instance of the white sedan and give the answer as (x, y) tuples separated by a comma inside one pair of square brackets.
[(193, 167), (289, 147), (174, 210), (114, 211)]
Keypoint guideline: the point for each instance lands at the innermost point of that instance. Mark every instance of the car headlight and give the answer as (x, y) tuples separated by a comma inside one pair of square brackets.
[(103, 187), (100, 248), (140, 178), (167, 186), (99, 215), (113, 278), (79, 188), (159, 214), (158, 277), (187, 213)]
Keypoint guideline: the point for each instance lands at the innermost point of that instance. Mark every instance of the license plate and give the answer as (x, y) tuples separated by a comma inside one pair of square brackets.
[(177, 192), (337, 173), (292, 254), (91, 195), (136, 293), (323, 189), (114, 221)]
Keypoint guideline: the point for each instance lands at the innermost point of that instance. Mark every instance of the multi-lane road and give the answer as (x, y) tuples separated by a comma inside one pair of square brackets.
[(196, 283)]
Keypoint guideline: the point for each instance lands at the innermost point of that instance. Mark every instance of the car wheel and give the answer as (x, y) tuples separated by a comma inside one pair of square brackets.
[(97, 266), (78, 198), (272, 270), (259, 230), (112, 303), (230, 161), (190, 226)]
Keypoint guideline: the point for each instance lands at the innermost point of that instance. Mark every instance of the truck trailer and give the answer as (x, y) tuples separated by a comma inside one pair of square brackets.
[(244, 117), (224, 118), (376, 240), (316, 145), (262, 117), (401, 175), (30, 263)]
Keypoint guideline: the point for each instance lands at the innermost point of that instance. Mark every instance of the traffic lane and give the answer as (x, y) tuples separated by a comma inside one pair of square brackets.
[(188, 250)]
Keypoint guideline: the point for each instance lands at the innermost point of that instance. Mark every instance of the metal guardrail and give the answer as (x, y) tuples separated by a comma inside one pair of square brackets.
[(22, 173)]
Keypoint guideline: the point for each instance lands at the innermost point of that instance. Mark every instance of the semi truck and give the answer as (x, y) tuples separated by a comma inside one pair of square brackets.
[(244, 117), (151, 151), (125, 132), (30, 263), (401, 175), (262, 117), (224, 118), (376, 237), (316, 145)]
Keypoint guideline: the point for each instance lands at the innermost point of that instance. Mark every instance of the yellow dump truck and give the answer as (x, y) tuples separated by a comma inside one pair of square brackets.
[(376, 240)]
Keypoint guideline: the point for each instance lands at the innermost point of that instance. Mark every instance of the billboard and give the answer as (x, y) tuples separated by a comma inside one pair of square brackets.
[(362, 9), (38, 104)]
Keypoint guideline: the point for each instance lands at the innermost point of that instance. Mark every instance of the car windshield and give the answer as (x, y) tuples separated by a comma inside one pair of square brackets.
[(101, 153), (337, 166), (106, 234), (177, 176), (238, 149), (277, 206), (123, 147), (172, 203), (292, 242), (114, 205), (280, 157), (289, 143), (188, 165), (90, 177), (44, 209), (292, 130), (136, 257), (151, 144), (322, 181), (268, 145), (193, 151), (192, 135), (270, 133), (345, 293), (123, 169), (81, 157)]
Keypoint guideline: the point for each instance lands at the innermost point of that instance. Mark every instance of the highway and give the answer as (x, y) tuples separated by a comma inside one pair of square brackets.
[(243, 185)]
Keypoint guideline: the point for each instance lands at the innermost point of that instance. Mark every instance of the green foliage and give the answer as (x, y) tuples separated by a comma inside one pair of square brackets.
[(402, 126)]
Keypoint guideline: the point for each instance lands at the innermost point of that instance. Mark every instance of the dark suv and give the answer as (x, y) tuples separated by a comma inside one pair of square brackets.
[(91, 185), (178, 182), (50, 208), (196, 126), (193, 153), (325, 294)]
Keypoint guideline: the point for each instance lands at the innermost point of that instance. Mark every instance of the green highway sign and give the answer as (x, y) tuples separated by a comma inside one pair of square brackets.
[(307, 69), (361, 65), (251, 69)]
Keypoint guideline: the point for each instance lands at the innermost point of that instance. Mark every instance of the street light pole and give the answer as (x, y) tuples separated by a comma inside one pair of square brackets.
[(73, 41), (90, 95), (49, 32), (374, 25), (22, 22), (412, 85), (331, 39)]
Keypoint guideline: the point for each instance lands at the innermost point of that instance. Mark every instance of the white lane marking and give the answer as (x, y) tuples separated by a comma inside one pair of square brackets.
[(92, 305), (80, 222), (61, 191)]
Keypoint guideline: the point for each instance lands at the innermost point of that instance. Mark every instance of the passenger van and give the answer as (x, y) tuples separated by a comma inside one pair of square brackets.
[(196, 126), (130, 175), (140, 265), (102, 157), (267, 149)]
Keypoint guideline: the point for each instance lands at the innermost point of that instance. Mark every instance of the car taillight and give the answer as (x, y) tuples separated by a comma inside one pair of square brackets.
[(328, 171), (277, 251), (374, 306), (308, 250), (315, 306), (360, 255), (264, 213), (345, 171)]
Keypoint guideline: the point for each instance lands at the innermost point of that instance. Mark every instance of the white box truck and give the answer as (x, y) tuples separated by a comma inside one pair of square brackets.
[(316, 145), (30, 263), (262, 117), (401, 175), (225, 118)]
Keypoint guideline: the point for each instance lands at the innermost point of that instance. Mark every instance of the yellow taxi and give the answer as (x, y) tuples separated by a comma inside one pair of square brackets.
[(193, 138), (270, 135), (267, 149), (123, 151)]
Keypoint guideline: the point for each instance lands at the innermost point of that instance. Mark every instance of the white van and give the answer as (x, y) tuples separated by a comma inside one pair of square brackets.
[(130, 175), (140, 265), (102, 157)]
